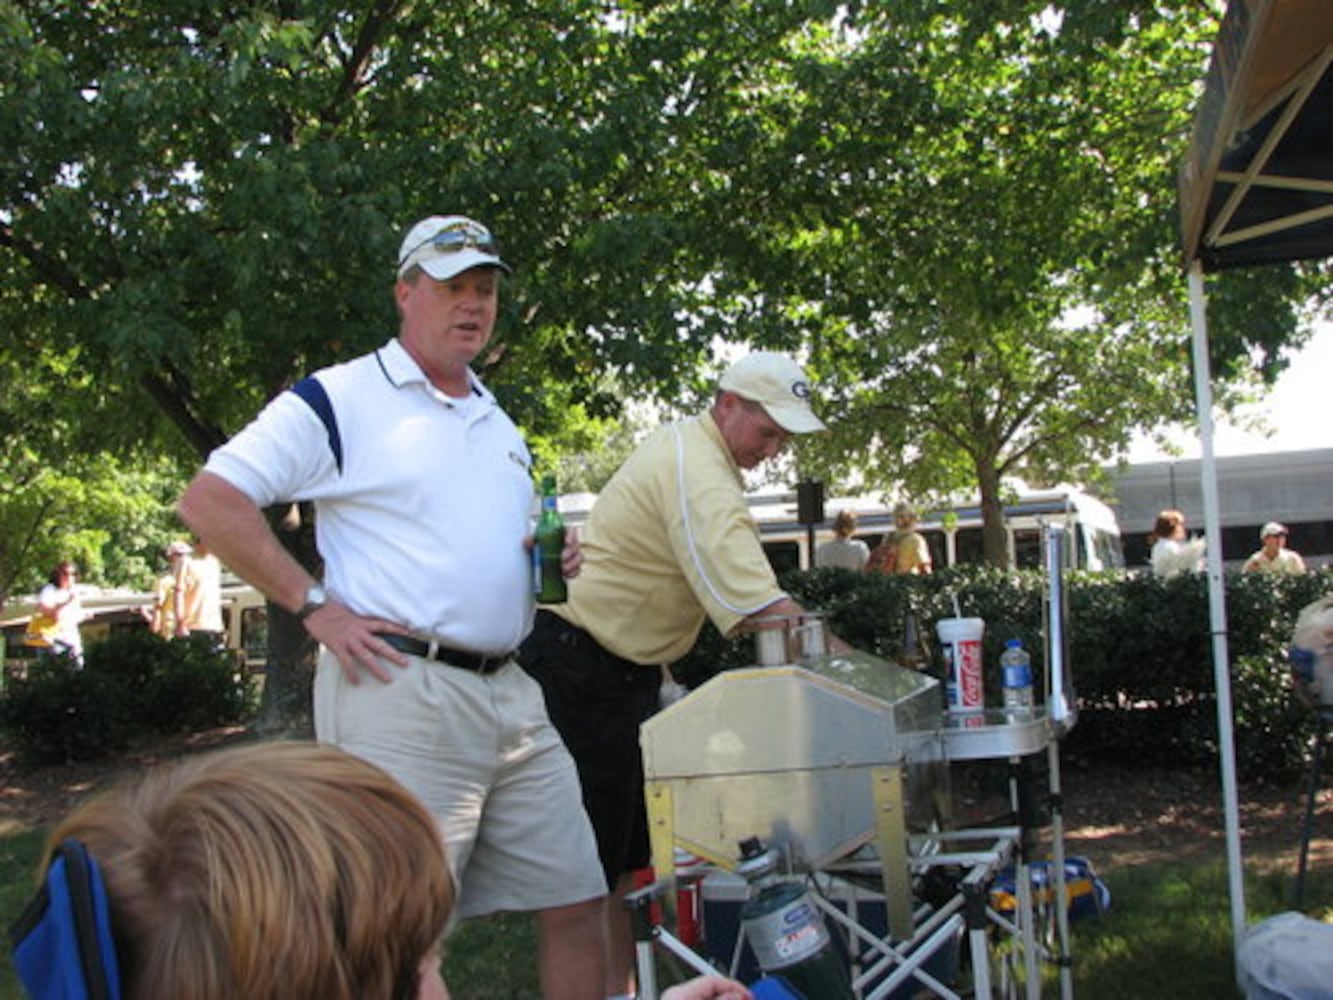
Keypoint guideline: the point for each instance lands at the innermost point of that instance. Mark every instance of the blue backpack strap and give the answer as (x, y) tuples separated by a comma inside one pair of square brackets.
[(62, 943), (317, 398)]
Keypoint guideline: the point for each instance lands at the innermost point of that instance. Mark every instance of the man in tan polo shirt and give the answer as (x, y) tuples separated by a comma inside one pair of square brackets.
[(669, 544)]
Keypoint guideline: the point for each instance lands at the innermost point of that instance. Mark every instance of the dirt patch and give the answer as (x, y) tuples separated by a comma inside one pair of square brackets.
[(1117, 816), (35, 796)]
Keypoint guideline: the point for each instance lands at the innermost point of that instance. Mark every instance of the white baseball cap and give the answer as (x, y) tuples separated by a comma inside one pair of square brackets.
[(1272, 528), (446, 245), (778, 384)]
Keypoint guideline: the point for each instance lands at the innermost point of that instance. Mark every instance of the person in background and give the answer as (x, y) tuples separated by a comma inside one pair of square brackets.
[(422, 488), (904, 550), (913, 552), (1274, 557), (843, 550), (669, 544), (55, 625), (198, 594), (162, 614), (1173, 552), (276, 870)]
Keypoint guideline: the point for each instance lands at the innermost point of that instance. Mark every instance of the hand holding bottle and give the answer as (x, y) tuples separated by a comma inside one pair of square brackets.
[(555, 551)]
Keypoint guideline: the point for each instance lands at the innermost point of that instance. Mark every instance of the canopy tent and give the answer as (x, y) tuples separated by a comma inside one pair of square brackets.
[(1256, 188)]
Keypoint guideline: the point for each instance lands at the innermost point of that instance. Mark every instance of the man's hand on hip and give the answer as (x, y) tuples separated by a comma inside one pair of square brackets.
[(353, 640)]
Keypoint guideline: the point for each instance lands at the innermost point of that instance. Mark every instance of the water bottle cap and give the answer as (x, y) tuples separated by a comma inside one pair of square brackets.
[(1013, 642)]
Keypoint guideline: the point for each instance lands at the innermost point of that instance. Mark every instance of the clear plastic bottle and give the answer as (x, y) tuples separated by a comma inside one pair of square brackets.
[(1016, 671)]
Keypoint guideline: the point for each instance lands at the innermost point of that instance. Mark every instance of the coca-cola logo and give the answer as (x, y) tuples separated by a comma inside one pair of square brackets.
[(969, 670)]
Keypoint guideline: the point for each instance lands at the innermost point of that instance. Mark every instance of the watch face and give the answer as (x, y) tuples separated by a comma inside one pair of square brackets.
[(315, 595)]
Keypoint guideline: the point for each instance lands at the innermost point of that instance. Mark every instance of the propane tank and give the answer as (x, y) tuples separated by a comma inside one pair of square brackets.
[(786, 931)]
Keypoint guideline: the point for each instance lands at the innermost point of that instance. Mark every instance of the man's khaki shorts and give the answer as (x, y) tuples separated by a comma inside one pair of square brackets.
[(481, 753)]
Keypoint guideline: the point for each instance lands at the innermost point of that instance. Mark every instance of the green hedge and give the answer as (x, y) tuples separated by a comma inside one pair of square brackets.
[(133, 684), (1140, 652)]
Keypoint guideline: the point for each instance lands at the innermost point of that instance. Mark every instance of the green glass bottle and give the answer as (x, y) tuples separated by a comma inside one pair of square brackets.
[(913, 654), (548, 543)]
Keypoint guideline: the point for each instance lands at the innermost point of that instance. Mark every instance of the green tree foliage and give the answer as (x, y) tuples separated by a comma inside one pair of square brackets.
[(962, 213), (61, 495), (972, 208), (204, 200)]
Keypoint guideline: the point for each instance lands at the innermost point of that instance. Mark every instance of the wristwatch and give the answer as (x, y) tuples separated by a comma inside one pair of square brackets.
[(315, 598)]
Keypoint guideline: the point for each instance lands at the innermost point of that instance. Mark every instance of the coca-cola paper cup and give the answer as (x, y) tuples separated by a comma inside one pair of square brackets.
[(960, 642)]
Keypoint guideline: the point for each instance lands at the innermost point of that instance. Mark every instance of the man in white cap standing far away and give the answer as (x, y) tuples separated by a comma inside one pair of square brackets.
[(669, 544), (1274, 557), (423, 492)]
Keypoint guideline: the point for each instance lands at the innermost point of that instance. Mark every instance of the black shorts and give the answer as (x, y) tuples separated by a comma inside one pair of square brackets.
[(597, 701)]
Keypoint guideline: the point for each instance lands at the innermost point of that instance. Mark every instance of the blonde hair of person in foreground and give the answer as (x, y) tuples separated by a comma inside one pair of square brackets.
[(277, 870)]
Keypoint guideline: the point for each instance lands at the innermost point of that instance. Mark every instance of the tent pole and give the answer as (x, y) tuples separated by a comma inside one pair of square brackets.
[(1217, 611)]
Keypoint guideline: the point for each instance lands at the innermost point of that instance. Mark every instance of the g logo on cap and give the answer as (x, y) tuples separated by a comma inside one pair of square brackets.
[(801, 390)]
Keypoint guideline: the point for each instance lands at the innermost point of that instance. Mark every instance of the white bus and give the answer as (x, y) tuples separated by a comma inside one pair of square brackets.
[(1091, 525)]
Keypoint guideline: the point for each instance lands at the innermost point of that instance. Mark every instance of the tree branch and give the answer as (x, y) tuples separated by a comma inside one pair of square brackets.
[(381, 15)]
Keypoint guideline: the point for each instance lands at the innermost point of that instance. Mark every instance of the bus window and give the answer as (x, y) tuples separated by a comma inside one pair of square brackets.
[(1027, 548), (939, 553), (968, 548), (783, 556), (1238, 542), (1107, 547)]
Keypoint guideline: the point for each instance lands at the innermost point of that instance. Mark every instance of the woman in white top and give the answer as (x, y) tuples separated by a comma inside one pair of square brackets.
[(1173, 552), (54, 625)]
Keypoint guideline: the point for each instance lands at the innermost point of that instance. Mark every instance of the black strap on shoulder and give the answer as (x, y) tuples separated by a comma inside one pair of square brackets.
[(317, 398)]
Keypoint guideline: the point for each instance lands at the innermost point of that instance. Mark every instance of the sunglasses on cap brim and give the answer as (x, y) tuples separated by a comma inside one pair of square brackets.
[(448, 241)]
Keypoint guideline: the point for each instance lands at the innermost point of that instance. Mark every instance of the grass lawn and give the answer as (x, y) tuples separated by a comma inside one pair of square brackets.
[(1154, 837), (1167, 934)]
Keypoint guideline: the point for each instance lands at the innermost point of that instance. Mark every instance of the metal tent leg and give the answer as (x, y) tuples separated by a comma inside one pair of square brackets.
[(1312, 795)]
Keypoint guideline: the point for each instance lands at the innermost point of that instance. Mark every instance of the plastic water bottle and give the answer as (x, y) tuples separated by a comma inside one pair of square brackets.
[(1016, 669)]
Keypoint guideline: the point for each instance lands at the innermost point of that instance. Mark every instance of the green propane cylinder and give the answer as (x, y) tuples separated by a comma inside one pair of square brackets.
[(789, 938)]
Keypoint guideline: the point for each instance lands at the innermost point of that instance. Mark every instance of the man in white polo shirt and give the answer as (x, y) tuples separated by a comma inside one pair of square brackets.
[(423, 491), (669, 544)]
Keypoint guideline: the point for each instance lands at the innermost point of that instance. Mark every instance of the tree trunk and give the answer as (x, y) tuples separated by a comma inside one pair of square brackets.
[(285, 708), (994, 538)]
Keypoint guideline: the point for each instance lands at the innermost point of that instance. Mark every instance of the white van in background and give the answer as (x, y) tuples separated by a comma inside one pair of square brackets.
[(954, 533)]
